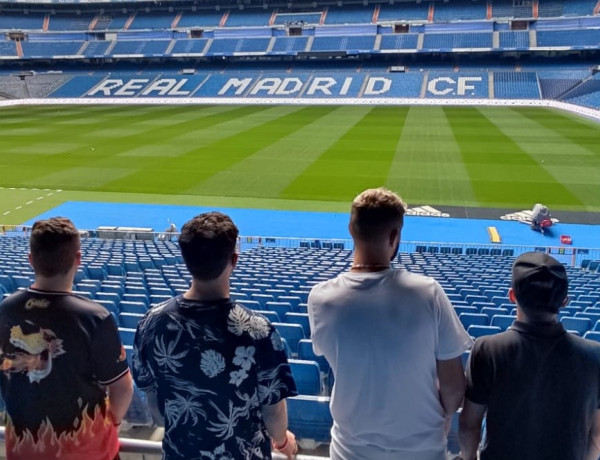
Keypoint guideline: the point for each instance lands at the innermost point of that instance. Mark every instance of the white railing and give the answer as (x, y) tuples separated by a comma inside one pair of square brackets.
[(142, 447)]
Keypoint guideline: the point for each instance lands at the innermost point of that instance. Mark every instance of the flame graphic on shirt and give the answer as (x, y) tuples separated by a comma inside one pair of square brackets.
[(95, 438)]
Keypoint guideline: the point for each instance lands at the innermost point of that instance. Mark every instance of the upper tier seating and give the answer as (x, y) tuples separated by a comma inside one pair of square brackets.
[(20, 21), (143, 20), (458, 40), (453, 12), (70, 22), (350, 15)]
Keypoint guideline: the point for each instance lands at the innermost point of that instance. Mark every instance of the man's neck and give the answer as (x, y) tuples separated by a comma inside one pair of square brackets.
[(53, 284), (207, 291), (545, 319), (369, 261)]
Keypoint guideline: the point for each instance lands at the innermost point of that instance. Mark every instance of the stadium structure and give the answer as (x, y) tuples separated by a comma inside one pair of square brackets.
[(539, 53)]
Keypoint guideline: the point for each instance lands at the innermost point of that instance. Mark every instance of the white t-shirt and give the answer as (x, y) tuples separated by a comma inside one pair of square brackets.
[(382, 333)]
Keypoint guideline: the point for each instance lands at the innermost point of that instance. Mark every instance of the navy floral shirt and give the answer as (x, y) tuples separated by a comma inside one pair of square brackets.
[(212, 365)]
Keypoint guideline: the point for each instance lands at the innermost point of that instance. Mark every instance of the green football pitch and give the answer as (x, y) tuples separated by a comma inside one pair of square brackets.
[(295, 157)]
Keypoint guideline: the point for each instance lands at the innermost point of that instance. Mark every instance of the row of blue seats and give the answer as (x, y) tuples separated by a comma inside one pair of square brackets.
[(440, 12), (293, 45)]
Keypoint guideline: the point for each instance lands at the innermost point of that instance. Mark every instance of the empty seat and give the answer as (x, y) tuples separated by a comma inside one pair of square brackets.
[(127, 335), (592, 335), (110, 305), (306, 352), (503, 321), (480, 331), (299, 318), (292, 333), (307, 376), (470, 319), (281, 308), (309, 417), (129, 320), (132, 307), (262, 299), (581, 325), (270, 315), (462, 309), (491, 312)]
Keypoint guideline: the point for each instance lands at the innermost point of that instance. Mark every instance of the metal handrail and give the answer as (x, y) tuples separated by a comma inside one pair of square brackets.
[(143, 447)]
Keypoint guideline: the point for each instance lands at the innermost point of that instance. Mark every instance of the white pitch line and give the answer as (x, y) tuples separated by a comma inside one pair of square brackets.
[(52, 192)]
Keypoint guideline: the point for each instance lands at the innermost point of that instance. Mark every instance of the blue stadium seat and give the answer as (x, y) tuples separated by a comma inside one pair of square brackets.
[(307, 376), (262, 299), (270, 315), (592, 335), (281, 308), (480, 331), (299, 318), (309, 417), (251, 304), (493, 311), (110, 305), (127, 335), (306, 352), (292, 333), (470, 319), (129, 320), (581, 325), (503, 321), (132, 307), (138, 412)]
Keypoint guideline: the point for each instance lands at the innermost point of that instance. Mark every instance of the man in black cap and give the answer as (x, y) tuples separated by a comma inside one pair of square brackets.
[(539, 385)]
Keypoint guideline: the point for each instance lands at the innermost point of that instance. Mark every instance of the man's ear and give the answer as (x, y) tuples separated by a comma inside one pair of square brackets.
[(394, 236), (511, 295), (234, 260), (78, 258), (29, 258)]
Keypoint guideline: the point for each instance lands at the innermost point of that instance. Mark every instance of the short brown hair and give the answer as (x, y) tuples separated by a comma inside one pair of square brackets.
[(374, 212), (53, 245), (207, 244)]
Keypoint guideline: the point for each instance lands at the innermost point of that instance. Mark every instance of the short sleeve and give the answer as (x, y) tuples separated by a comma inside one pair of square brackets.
[(453, 340), (275, 381), (479, 377), (142, 373), (109, 362)]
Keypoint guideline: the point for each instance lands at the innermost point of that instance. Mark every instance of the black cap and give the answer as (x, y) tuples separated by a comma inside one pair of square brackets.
[(539, 282)]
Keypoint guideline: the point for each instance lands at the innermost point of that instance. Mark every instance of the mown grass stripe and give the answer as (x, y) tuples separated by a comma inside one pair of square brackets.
[(571, 164), (268, 171), (218, 149), (427, 166), (360, 159), (103, 152), (501, 173)]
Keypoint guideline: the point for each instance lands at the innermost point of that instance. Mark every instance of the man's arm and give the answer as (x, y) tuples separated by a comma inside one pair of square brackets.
[(275, 418), (469, 429), (119, 397), (452, 384), (593, 450), (154, 409)]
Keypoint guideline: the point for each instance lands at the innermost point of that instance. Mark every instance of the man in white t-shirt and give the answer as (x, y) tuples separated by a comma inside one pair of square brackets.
[(394, 343)]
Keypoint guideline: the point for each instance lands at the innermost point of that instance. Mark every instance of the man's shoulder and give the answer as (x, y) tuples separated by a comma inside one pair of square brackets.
[(587, 347), (495, 343)]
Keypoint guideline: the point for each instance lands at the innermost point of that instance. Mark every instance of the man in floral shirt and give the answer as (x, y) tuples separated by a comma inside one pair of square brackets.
[(215, 372)]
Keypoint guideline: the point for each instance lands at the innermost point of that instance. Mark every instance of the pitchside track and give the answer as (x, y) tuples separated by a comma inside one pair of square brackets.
[(295, 157)]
